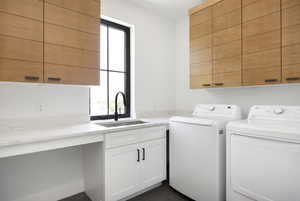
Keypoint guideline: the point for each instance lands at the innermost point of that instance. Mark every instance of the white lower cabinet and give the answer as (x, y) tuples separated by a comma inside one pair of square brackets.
[(153, 166), (134, 167), (122, 172)]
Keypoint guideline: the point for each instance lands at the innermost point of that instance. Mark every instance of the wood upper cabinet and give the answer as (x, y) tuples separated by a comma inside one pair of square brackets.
[(21, 40), (72, 39), (227, 43), (290, 41), (215, 45), (201, 49), (261, 42), (52, 41)]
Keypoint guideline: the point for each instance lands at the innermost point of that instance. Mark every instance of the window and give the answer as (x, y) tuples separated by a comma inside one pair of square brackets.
[(114, 72)]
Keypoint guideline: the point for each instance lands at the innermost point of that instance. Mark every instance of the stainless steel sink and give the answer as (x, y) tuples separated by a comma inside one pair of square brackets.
[(121, 123)]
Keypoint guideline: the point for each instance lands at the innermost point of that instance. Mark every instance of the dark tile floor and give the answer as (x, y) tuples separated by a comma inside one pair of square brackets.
[(78, 197), (162, 193)]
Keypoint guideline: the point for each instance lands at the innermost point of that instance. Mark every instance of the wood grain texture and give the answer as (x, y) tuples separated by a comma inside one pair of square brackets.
[(57, 54), (204, 68), (227, 35), (291, 73), (226, 6), (291, 16), (291, 54), (87, 7), (71, 75), (203, 5), (231, 64), (200, 81), (201, 16), (230, 79), (200, 43), (227, 20), (201, 56), (291, 35), (262, 42), (228, 50), (262, 25), (260, 8), (15, 48), (289, 3), (263, 59), (26, 8), (200, 30), (72, 38), (13, 25), (247, 2), (258, 76), (70, 19), (12, 70)]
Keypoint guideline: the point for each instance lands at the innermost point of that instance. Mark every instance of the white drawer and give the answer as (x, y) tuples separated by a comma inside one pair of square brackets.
[(134, 136)]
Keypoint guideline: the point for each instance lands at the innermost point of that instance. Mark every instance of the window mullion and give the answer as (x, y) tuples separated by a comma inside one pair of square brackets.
[(107, 70)]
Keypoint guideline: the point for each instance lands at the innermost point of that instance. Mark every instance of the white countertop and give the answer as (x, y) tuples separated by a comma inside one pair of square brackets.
[(16, 140)]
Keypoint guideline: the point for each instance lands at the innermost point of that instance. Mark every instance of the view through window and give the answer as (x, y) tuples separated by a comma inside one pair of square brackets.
[(114, 72)]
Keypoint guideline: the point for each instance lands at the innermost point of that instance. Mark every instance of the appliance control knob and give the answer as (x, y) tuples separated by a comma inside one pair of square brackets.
[(212, 108), (278, 111)]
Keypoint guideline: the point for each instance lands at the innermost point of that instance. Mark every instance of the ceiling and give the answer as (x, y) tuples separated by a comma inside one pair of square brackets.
[(174, 9)]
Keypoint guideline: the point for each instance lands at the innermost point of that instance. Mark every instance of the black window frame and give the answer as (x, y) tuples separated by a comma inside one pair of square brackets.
[(127, 74)]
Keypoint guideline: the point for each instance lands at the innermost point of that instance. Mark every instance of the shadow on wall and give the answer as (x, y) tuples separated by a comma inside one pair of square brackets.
[(245, 97)]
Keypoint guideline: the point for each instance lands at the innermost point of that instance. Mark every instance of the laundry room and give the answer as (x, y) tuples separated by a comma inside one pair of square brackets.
[(148, 100)]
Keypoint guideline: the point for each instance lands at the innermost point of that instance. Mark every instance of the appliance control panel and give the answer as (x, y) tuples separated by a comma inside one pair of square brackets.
[(217, 111), (264, 113)]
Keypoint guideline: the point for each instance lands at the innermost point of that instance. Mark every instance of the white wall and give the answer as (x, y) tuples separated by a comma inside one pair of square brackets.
[(51, 175), (154, 55), (44, 176), (186, 98), (20, 100)]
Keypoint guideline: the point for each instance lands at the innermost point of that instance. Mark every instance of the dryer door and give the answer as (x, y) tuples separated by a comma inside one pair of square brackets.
[(264, 169)]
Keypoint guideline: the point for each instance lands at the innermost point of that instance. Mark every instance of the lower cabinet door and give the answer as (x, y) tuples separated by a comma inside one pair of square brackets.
[(153, 165), (122, 172)]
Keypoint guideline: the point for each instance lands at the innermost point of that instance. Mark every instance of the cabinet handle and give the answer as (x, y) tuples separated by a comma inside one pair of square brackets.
[(57, 79), (31, 78), (219, 84), (144, 154), (292, 78), (138, 152), (206, 85), (271, 80)]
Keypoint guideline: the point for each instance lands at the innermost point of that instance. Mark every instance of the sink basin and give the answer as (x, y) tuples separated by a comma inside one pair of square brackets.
[(121, 123)]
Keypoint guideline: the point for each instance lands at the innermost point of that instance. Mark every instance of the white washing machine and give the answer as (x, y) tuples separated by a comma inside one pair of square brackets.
[(263, 155), (197, 152)]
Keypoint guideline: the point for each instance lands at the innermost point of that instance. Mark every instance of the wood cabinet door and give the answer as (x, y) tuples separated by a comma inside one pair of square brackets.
[(261, 42), (122, 175), (291, 42), (200, 49), (227, 43), (21, 40), (153, 165), (72, 40)]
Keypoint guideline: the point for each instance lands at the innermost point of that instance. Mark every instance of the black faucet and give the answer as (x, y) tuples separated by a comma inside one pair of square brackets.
[(116, 104)]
